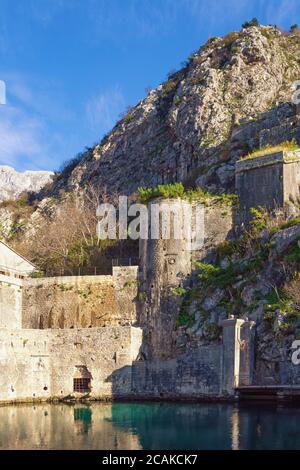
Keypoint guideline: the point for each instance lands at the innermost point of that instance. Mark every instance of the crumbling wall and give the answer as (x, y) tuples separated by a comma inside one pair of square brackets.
[(81, 301)]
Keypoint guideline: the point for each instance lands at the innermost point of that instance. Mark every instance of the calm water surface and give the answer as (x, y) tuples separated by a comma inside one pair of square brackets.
[(149, 426)]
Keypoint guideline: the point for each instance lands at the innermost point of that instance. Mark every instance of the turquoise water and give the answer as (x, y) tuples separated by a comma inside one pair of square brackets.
[(148, 426)]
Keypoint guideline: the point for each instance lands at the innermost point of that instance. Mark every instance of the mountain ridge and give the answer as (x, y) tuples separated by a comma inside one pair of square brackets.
[(197, 124), (13, 183)]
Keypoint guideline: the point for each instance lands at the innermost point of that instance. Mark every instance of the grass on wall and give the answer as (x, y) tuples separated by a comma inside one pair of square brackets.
[(287, 146), (177, 190)]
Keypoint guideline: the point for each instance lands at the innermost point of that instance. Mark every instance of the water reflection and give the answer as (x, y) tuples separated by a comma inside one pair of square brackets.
[(148, 426), (83, 418)]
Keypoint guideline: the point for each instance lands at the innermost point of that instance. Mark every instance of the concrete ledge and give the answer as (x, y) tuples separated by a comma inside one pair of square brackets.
[(14, 281), (266, 160)]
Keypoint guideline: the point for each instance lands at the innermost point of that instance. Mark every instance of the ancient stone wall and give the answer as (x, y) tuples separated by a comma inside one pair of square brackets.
[(168, 263), (219, 225), (270, 181), (194, 374), (10, 302), (41, 364), (81, 301)]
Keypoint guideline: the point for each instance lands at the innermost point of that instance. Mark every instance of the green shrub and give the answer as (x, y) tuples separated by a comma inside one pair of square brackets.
[(172, 191), (278, 300), (128, 117), (68, 166), (229, 39), (293, 254), (184, 319), (180, 291), (169, 86), (176, 190), (253, 22), (260, 218), (227, 249), (215, 276), (37, 275), (290, 223)]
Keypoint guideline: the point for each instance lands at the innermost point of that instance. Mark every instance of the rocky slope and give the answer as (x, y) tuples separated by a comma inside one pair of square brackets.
[(14, 183), (255, 277), (234, 94)]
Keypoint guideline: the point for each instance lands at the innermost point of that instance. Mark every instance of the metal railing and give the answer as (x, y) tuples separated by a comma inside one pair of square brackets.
[(125, 262), (66, 272), (81, 271)]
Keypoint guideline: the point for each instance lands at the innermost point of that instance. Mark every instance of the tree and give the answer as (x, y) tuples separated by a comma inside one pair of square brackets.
[(253, 22), (294, 28), (64, 240)]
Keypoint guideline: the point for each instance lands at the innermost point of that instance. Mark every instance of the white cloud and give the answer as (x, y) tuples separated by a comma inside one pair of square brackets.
[(104, 109), (281, 11), (21, 138), (39, 96), (26, 141), (144, 18)]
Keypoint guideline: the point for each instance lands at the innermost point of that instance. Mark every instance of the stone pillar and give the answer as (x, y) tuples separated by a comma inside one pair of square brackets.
[(237, 354), (231, 354), (247, 351)]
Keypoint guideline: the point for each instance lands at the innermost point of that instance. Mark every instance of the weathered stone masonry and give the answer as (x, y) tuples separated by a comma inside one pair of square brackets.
[(270, 181), (81, 302), (42, 364), (115, 335), (42, 361)]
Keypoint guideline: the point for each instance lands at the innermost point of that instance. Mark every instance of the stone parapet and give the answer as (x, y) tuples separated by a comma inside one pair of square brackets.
[(266, 160)]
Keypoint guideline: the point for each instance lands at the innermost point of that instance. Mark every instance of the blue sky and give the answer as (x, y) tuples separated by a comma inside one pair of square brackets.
[(72, 66)]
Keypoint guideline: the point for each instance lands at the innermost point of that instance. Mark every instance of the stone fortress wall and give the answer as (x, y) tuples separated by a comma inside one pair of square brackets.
[(116, 333), (270, 181), (81, 301), (42, 364), (51, 328), (70, 302)]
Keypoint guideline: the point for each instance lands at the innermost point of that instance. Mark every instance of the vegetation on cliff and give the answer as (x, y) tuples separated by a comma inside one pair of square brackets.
[(223, 104), (177, 190), (255, 277)]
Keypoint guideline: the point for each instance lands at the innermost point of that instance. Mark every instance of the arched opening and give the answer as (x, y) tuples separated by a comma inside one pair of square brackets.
[(82, 380)]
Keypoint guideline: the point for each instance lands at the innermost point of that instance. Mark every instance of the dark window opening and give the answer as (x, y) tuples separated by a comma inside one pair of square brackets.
[(82, 385)]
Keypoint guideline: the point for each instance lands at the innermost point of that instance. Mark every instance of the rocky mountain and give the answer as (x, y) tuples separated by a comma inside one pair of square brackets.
[(232, 95), (14, 183)]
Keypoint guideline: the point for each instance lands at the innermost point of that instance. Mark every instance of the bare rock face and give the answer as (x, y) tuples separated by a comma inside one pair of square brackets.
[(14, 183), (233, 95)]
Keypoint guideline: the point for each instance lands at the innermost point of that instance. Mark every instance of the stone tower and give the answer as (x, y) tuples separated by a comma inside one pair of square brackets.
[(166, 264), (270, 181)]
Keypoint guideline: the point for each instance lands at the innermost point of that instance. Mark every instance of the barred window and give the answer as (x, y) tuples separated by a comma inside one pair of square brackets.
[(82, 385)]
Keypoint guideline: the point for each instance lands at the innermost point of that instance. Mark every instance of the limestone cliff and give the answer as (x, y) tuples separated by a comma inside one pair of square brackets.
[(14, 183), (233, 94)]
